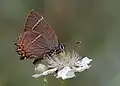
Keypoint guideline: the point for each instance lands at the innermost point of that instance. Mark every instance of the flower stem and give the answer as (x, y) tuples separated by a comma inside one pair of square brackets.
[(45, 81), (63, 83)]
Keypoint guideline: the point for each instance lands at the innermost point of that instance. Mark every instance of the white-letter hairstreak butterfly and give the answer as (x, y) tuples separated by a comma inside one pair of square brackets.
[(37, 39)]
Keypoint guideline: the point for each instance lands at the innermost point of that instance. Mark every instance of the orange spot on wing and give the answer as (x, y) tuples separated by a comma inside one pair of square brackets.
[(20, 49)]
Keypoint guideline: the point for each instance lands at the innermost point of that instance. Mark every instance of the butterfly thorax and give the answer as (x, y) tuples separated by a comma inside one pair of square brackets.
[(56, 50)]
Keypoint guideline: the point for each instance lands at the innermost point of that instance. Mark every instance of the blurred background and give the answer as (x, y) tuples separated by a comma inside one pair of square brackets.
[(94, 22)]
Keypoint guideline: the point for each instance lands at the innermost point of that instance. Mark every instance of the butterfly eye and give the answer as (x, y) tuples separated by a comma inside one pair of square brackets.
[(62, 46)]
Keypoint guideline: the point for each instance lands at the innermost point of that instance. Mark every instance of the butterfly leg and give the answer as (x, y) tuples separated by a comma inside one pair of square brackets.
[(36, 61)]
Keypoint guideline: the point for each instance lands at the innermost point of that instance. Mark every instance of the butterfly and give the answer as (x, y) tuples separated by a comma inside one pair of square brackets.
[(37, 39)]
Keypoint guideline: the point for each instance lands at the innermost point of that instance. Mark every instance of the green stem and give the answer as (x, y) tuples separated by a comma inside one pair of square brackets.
[(63, 82), (45, 81)]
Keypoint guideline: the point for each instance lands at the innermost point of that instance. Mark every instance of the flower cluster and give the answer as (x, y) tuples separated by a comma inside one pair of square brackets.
[(63, 65)]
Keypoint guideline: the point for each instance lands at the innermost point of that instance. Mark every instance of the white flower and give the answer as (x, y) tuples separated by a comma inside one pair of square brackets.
[(63, 65)]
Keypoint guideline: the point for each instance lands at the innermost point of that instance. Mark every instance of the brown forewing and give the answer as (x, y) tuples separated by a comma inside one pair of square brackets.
[(37, 37)]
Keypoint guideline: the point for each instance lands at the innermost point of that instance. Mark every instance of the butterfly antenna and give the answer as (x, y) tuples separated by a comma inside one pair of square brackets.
[(77, 44)]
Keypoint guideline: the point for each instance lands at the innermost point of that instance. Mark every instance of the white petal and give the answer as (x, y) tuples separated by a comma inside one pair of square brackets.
[(49, 71), (45, 73), (36, 75), (84, 61), (40, 68), (80, 69), (66, 73), (83, 64)]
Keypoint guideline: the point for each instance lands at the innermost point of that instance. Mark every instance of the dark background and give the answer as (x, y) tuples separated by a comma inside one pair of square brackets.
[(94, 22)]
